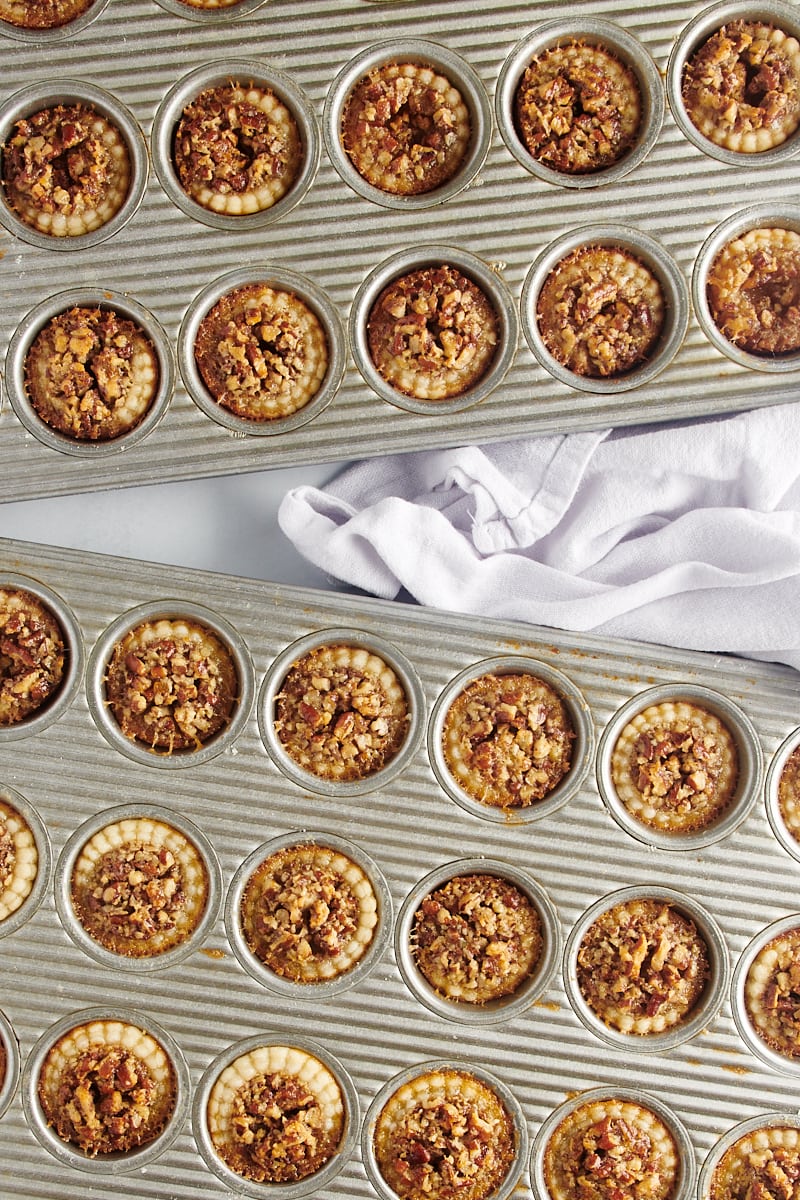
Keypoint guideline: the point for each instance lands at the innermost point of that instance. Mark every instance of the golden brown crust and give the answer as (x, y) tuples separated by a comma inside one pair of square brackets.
[(789, 793), (405, 128), (608, 1148), (42, 14), (262, 352), (476, 938), (33, 655), (578, 108), (237, 149), (309, 913), (507, 739), (642, 966), (445, 1135), (741, 88), (66, 170), (761, 1165), (753, 291), (19, 859), (91, 374), (600, 311), (341, 713), (433, 333), (675, 767), (772, 993), (171, 684)]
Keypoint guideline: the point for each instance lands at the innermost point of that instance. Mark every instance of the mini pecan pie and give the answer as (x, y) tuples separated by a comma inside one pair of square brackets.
[(19, 859), (476, 938), (66, 170), (139, 887), (772, 993), (276, 1115), (507, 739), (753, 291), (309, 913), (789, 793), (445, 1135), (741, 88), (33, 655), (608, 1148), (600, 311), (341, 713), (406, 128), (642, 966), (210, 4), (262, 352), (107, 1087), (433, 334), (763, 1163), (42, 14), (171, 684), (578, 108), (92, 374), (675, 767), (237, 149)]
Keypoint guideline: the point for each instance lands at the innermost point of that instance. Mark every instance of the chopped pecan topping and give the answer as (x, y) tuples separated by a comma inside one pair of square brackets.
[(753, 291), (262, 353), (278, 1130), (578, 108), (135, 891), (170, 685), (341, 713), (405, 128), (42, 14), (32, 655), (476, 938), (741, 88), (508, 740), (772, 993), (104, 1102), (642, 966), (762, 1165), (600, 311), (789, 793), (91, 374), (237, 141), (433, 333)]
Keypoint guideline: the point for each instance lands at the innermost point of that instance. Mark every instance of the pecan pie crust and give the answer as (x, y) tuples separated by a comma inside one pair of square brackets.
[(764, 1163), (772, 993), (33, 655), (753, 291)]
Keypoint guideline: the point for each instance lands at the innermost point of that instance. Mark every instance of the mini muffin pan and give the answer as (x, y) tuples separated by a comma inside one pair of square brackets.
[(140, 60), (409, 833)]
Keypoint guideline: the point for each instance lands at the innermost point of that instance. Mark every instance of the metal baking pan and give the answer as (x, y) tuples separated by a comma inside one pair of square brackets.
[(336, 237), (407, 829)]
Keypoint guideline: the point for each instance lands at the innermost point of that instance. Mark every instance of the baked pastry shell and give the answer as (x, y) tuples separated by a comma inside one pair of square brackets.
[(403, 263), (259, 970), (593, 32), (750, 766), (47, 37), (760, 216), (279, 278), (171, 610), (708, 1004), (315, 1182), (60, 701), (493, 1012), (112, 1163), (10, 1079), (407, 677), (424, 53), (582, 747), (770, 1120), (790, 843), (509, 1100), (37, 96), (217, 74), (41, 882), (687, 1172), (26, 333), (754, 1042), (653, 255), (63, 888), (695, 33)]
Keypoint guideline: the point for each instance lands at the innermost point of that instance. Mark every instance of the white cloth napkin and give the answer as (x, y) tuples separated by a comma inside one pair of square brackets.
[(685, 535)]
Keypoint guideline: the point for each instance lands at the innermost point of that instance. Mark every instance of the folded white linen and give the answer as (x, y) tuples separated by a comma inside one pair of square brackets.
[(685, 534)]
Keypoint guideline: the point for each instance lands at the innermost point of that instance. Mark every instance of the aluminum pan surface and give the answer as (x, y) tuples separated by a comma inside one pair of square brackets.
[(137, 50), (378, 1028)]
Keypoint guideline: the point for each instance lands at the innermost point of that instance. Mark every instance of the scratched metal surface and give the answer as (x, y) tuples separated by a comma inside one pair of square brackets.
[(137, 49)]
